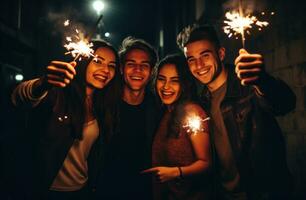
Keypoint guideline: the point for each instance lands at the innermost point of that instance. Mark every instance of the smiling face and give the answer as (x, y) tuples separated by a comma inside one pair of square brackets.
[(204, 60), (101, 70), (167, 84), (136, 70)]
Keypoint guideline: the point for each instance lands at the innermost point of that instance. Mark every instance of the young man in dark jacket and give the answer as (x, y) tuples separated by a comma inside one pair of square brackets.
[(242, 100)]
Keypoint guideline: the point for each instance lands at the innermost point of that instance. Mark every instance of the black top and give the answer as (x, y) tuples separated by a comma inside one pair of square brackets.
[(128, 154)]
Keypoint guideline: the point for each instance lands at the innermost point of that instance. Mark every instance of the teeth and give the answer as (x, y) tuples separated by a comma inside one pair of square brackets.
[(203, 72), (167, 93), (136, 78), (100, 77)]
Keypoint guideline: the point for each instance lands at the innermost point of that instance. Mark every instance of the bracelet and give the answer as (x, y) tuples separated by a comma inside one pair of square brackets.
[(181, 173)]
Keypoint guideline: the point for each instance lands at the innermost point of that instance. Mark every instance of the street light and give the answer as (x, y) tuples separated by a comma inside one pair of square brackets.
[(98, 6), (107, 34)]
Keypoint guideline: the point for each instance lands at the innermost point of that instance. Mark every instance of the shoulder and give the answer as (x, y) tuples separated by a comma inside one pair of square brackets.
[(194, 108)]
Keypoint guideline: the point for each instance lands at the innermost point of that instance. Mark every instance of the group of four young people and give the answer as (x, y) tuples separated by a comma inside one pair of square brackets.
[(107, 134)]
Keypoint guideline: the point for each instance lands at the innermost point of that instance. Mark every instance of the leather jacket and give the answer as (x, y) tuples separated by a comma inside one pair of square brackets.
[(255, 137)]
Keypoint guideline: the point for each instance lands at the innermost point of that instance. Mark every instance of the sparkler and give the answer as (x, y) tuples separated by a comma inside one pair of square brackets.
[(194, 124), (237, 23), (78, 45)]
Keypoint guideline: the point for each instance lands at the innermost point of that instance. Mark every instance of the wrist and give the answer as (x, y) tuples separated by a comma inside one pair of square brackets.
[(180, 173)]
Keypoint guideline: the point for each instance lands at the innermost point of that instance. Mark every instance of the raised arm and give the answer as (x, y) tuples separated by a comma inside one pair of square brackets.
[(30, 93), (273, 94)]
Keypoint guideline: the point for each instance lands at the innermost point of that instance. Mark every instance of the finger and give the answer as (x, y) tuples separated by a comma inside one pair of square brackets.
[(73, 63), (248, 72), (248, 65), (243, 51), (56, 83), (249, 81), (247, 58), (151, 170), (65, 65), (58, 71), (58, 78)]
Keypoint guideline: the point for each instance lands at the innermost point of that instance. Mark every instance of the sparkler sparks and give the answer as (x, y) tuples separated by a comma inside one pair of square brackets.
[(194, 124), (238, 24), (78, 46), (67, 22)]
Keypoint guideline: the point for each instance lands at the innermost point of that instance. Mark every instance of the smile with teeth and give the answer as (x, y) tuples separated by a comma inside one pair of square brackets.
[(137, 78), (167, 93), (100, 77), (203, 71)]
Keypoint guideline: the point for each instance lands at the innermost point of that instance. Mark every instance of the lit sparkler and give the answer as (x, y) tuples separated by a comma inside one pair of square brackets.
[(194, 124), (78, 46), (67, 22), (237, 23)]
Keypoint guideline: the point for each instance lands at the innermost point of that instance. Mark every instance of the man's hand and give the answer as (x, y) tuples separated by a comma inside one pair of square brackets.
[(249, 68), (163, 174)]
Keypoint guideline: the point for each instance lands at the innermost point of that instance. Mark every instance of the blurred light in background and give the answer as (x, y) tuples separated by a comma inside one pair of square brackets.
[(98, 6)]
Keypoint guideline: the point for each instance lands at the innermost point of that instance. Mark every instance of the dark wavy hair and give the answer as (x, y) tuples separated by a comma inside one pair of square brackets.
[(105, 100), (187, 93), (130, 43), (197, 32)]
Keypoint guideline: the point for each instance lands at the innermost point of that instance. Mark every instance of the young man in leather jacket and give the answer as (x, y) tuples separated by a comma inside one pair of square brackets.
[(250, 154)]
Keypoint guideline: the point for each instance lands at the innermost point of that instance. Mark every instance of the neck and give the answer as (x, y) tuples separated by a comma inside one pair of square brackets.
[(219, 81), (133, 97), (89, 91)]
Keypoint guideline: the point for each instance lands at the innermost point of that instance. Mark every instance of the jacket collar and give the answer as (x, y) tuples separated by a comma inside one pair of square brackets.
[(233, 88)]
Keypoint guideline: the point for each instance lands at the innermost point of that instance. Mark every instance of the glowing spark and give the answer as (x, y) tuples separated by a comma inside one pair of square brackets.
[(67, 22), (194, 124), (78, 46), (272, 13), (237, 24)]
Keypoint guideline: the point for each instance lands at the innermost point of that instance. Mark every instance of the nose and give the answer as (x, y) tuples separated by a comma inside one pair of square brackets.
[(166, 85), (138, 67), (105, 68), (200, 63)]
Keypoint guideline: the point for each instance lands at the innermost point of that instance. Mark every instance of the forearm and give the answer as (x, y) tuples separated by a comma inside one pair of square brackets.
[(196, 168), (29, 93)]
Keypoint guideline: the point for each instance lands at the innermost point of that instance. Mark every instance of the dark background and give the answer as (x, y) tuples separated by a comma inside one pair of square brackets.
[(31, 34)]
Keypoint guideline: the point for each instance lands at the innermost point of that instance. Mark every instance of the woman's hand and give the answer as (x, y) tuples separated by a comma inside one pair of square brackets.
[(163, 174), (59, 74)]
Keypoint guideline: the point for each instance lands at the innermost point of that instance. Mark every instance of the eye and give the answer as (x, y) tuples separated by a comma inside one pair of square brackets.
[(160, 78), (130, 64), (145, 65), (112, 65), (97, 60)]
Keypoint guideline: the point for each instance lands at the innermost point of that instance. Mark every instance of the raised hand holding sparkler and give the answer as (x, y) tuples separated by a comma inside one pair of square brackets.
[(250, 69)]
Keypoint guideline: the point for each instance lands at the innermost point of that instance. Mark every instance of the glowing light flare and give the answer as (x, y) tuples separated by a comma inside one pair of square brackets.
[(78, 46), (238, 24), (67, 22), (194, 124)]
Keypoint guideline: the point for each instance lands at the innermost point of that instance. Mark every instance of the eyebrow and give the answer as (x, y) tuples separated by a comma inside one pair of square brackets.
[(174, 77), (201, 53), (104, 59), (130, 60)]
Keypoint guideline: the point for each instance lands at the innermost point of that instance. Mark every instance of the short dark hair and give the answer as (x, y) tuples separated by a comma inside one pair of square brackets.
[(196, 32), (130, 43)]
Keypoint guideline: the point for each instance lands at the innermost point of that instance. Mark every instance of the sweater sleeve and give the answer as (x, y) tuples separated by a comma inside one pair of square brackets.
[(23, 94)]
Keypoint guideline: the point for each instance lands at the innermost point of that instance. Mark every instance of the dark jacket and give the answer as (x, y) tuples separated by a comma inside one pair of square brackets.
[(48, 138), (255, 137)]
